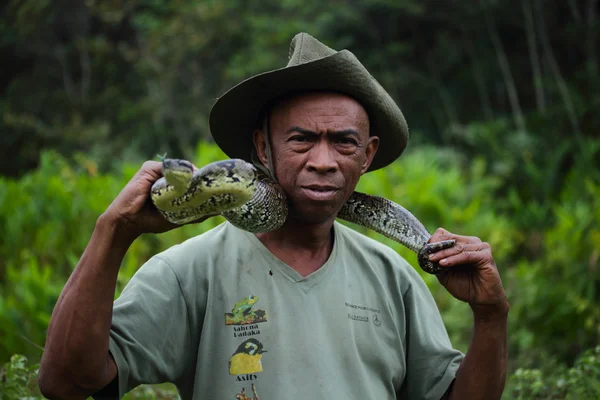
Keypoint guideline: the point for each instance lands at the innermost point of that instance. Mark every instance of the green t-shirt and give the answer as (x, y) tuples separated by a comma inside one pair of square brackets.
[(220, 316)]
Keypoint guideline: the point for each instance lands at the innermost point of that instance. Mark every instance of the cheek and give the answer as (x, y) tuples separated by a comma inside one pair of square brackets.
[(354, 164), (353, 173), (285, 171), (286, 180)]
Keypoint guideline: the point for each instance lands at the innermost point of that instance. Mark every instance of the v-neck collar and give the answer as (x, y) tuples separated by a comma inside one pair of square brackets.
[(305, 283)]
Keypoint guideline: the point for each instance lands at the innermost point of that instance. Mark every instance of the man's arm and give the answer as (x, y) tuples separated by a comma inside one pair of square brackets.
[(472, 276), (482, 373), (76, 362)]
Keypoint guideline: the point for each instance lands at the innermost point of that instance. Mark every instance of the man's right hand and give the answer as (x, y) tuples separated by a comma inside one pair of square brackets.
[(133, 212)]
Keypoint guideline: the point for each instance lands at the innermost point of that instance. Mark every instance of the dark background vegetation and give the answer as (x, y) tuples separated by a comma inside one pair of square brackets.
[(502, 99)]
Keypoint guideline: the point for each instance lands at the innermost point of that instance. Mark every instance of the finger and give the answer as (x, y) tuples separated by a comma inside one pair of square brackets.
[(441, 234), (150, 172), (456, 249), (152, 167), (467, 257), (437, 233)]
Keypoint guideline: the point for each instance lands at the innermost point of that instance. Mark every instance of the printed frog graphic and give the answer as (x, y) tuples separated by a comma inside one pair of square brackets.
[(243, 314), (244, 306), (247, 358)]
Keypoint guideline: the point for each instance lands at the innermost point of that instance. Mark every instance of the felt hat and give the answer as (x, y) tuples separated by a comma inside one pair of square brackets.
[(311, 66)]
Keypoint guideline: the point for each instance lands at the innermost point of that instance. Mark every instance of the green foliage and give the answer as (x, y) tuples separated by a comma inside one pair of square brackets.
[(582, 381), (48, 216), (558, 286), (18, 380), (25, 306), (153, 392)]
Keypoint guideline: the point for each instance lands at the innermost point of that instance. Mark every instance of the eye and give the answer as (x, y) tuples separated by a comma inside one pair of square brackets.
[(347, 141), (299, 138)]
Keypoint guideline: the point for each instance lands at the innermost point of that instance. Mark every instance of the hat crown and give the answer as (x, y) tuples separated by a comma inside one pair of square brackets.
[(305, 48)]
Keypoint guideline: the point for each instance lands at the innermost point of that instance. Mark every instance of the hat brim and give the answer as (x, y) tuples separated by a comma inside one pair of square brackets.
[(235, 115)]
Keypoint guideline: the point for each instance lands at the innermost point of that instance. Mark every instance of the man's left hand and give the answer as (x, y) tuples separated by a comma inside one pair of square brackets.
[(471, 274)]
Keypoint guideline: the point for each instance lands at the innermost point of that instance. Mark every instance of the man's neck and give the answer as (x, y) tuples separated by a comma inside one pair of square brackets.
[(303, 246)]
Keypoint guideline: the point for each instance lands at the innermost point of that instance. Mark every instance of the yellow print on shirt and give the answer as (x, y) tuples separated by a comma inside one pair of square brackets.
[(242, 395), (247, 358), (243, 314)]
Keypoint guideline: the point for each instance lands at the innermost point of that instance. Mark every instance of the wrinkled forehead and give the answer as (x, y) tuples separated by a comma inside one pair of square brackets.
[(318, 106)]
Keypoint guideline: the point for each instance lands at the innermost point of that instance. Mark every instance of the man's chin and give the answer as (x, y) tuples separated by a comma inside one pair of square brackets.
[(313, 215)]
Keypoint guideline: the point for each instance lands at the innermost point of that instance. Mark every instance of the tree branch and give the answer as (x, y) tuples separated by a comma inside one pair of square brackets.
[(560, 81), (84, 61), (509, 81), (484, 95), (59, 53), (574, 11), (592, 37), (540, 100)]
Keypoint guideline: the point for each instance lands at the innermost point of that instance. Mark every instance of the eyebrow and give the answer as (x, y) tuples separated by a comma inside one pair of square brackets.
[(343, 132)]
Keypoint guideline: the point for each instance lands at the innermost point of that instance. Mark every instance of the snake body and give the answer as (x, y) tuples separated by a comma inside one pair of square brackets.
[(251, 201)]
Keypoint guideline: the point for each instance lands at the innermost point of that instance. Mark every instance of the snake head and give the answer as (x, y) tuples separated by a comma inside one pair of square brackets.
[(177, 173)]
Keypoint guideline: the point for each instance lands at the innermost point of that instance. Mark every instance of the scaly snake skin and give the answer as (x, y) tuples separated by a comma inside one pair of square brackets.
[(252, 202)]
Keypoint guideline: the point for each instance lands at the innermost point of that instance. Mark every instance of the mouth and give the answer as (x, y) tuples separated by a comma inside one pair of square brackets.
[(175, 164), (321, 193)]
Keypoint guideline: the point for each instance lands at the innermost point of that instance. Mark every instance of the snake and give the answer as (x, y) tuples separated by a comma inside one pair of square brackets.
[(252, 201)]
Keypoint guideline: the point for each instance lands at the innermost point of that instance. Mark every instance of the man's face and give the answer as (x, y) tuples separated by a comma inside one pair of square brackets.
[(321, 146)]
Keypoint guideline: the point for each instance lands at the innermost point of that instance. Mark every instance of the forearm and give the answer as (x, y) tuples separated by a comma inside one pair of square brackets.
[(76, 355), (482, 373)]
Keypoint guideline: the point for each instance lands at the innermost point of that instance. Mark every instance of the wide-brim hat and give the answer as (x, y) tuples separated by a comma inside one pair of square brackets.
[(312, 66)]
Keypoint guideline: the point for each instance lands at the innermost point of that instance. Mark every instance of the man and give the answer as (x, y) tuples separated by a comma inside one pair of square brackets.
[(313, 310)]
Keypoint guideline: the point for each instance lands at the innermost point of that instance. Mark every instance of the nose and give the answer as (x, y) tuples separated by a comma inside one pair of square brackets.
[(321, 159)]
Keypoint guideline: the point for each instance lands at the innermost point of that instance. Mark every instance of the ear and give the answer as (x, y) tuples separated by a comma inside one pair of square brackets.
[(370, 150), (260, 144)]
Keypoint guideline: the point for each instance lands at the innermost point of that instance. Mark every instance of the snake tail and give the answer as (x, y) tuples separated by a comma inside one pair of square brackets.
[(422, 255), (395, 222)]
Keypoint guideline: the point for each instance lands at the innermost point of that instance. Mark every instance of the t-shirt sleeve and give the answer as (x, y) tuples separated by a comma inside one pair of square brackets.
[(150, 337), (431, 362)]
